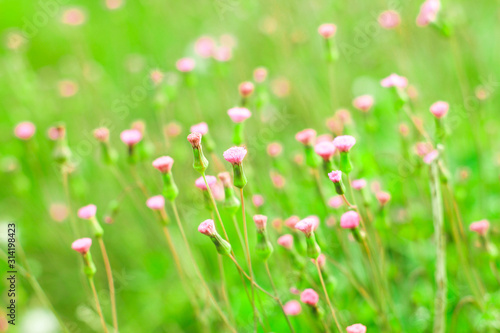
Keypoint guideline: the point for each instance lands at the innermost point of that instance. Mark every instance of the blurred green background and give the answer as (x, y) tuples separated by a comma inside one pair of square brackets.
[(110, 58)]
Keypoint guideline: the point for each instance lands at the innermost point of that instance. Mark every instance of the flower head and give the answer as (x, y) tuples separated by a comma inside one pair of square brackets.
[(25, 130), (335, 176), (327, 30), (363, 102), (204, 46), (201, 128), (200, 182), (325, 149), (131, 137), (480, 227), (383, 197), (194, 139), (156, 203), (423, 148), (246, 88), (286, 241), (428, 12), (306, 137), (439, 109), (274, 149), (235, 155), (344, 143), (306, 225), (430, 157), (239, 115), (87, 212), (260, 221), (358, 184), (163, 164), (185, 65), (207, 227), (73, 16), (349, 220), (292, 308), (356, 328), (292, 221), (389, 19), (310, 297), (260, 74), (82, 245), (257, 200), (394, 80), (336, 201), (101, 134)]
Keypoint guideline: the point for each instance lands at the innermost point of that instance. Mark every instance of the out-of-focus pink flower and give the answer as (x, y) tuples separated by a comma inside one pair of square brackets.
[(223, 54), (344, 143), (292, 308), (439, 109), (260, 221), (383, 197), (257, 200), (24, 130), (480, 227), (325, 149), (428, 12), (423, 148), (114, 4), (389, 19), (394, 80), (430, 157), (58, 212), (82, 245), (309, 297), (306, 137), (201, 128), (87, 212), (335, 202), (67, 88), (358, 184), (349, 220), (163, 164), (73, 16), (207, 227), (286, 241), (260, 74), (246, 88), (292, 221), (156, 203), (185, 65), (131, 137), (200, 182), (238, 114), (101, 134), (363, 102), (274, 149), (156, 76), (356, 328), (327, 30), (204, 46), (172, 129)]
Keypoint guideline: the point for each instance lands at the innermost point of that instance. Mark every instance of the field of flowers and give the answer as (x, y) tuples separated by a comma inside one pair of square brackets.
[(243, 166)]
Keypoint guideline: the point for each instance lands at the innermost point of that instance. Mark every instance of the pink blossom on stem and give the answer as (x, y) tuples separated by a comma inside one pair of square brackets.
[(163, 164), (349, 220), (87, 212), (335, 176), (101, 134), (257, 200), (389, 19), (480, 227), (336, 201), (306, 225), (239, 115), (246, 88), (207, 227), (439, 109), (430, 157), (235, 155), (344, 143), (156, 203), (25, 130), (260, 74), (185, 65), (309, 297), (82, 245), (306, 137), (274, 149), (292, 221), (201, 128), (363, 102), (260, 221), (327, 30), (356, 328), (383, 197), (204, 46), (428, 12), (286, 241), (200, 182), (325, 149), (394, 80), (131, 137), (292, 308), (358, 184)]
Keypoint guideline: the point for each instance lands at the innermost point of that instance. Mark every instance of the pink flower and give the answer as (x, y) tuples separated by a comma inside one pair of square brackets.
[(306, 225), (207, 227), (257, 200), (73, 16), (356, 328), (394, 80), (82, 245), (335, 176), (325, 149), (260, 221), (101, 134), (156, 203), (324, 138), (481, 227), (286, 241), (114, 4), (439, 109), (310, 297), (344, 142), (428, 12), (156, 76), (56, 133), (204, 46), (389, 19), (404, 129), (131, 137), (194, 139), (383, 197), (327, 30), (185, 65), (25, 130), (246, 88), (239, 115), (349, 220), (423, 148), (87, 212), (225, 178), (67, 88), (260, 74), (201, 128), (430, 157), (223, 54), (292, 221), (274, 149), (358, 184), (163, 164), (306, 137), (278, 180), (292, 308), (172, 129), (363, 102), (314, 220), (336, 201), (200, 182), (235, 155)]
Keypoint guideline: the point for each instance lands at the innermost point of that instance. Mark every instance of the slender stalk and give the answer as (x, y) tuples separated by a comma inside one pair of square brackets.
[(111, 284), (68, 201), (223, 284), (215, 206), (249, 259), (328, 297), (197, 270), (250, 279), (440, 275), (98, 305), (277, 296)]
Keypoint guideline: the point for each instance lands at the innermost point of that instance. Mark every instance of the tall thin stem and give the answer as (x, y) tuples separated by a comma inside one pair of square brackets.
[(440, 275), (98, 305), (111, 284), (277, 296), (215, 206), (332, 310)]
